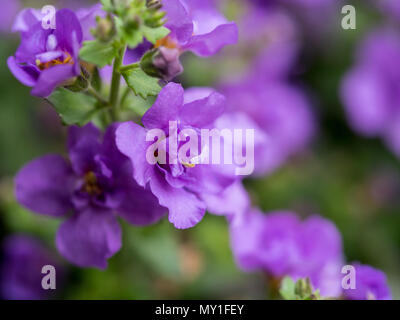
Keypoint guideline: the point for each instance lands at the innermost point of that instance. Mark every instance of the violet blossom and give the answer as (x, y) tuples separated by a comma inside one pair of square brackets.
[(90, 191), (280, 112), (9, 10), (279, 244), (389, 7), (370, 89), (371, 284), (21, 275), (196, 26), (186, 189), (47, 58), (277, 110)]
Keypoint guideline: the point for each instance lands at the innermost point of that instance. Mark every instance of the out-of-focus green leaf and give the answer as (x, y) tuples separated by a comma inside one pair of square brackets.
[(160, 250), (287, 289), (154, 34)]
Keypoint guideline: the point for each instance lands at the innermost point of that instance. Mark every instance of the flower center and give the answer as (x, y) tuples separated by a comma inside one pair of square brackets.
[(55, 62), (166, 42), (91, 186)]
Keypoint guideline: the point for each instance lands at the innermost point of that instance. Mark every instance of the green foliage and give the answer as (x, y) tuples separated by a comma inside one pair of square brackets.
[(98, 53), (154, 34), (141, 83), (73, 107), (136, 21), (301, 290)]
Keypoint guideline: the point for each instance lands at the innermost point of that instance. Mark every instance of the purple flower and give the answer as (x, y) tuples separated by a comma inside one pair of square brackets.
[(279, 111), (46, 57), (186, 189), (87, 18), (370, 91), (282, 245), (9, 10), (371, 284), (389, 7), (197, 26), (95, 187), (273, 35), (21, 270)]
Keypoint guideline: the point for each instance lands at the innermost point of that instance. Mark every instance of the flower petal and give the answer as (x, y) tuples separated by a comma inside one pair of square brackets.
[(206, 45), (185, 208), (166, 107), (67, 27), (178, 20), (45, 186), (203, 112), (89, 238), (25, 74), (139, 206), (232, 202), (51, 78), (131, 141), (26, 19), (83, 146)]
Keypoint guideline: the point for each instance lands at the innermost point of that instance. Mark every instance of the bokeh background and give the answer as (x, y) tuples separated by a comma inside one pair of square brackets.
[(347, 178)]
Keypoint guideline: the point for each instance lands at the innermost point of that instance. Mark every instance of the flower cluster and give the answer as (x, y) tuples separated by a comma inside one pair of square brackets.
[(81, 66), (279, 244)]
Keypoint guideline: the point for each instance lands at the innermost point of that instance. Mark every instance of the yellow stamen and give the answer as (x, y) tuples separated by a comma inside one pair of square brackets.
[(54, 62), (91, 186)]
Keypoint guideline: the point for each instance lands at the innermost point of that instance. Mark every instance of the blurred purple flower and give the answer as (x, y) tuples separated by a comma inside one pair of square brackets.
[(389, 7), (278, 111), (282, 245), (9, 10), (21, 270), (87, 18), (273, 35), (371, 284), (185, 189), (95, 186), (370, 91)]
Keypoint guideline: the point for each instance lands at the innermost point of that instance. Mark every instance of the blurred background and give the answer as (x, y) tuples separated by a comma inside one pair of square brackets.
[(352, 180)]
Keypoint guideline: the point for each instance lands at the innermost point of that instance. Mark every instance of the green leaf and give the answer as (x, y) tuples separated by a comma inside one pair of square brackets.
[(154, 34), (287, 289), (138, 105), (98, 53), (73, 107), (107, 5), (141, 83)]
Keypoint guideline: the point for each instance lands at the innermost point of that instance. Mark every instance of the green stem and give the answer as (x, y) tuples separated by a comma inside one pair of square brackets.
[(129, 66), (115, 84), (125, 95)]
